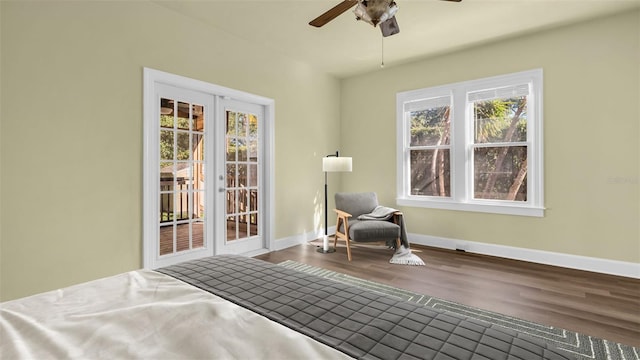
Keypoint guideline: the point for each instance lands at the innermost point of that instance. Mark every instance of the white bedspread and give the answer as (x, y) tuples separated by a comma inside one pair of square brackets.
[(144, 315)]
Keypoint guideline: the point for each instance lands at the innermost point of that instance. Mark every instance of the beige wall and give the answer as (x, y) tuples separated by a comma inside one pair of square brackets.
[(591, 132), (71, 131)]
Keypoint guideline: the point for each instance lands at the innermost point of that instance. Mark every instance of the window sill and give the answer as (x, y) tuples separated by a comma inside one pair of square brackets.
[(504, 209)]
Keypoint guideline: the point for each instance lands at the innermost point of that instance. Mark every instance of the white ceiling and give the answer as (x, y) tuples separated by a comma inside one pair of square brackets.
[(346, 47)]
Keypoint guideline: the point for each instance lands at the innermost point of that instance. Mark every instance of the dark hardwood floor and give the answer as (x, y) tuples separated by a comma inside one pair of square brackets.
[(595, 304)]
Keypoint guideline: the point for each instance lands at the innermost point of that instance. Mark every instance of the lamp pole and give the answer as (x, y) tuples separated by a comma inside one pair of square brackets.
[(325, 241)]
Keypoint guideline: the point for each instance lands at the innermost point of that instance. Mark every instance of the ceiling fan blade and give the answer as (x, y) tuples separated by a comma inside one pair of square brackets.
[(453, 0), (389, 27), (333, 13)]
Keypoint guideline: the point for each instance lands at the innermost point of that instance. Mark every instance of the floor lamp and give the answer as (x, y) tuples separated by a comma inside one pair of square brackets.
[(331, 163)]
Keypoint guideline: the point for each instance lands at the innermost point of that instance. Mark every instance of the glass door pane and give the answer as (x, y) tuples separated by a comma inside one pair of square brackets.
[(242, 176), (182, 176)]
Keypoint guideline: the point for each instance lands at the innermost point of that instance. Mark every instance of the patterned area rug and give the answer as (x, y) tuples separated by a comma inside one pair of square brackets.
[(581, 346)]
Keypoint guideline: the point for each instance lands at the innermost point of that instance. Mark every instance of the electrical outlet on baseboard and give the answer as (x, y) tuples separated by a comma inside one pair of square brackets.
[(462, 246)]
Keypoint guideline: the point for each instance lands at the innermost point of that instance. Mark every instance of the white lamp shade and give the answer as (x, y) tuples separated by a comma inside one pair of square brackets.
[(336, 164)]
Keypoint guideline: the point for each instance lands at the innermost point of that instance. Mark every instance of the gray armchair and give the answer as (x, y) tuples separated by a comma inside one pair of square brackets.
[(349, 207)]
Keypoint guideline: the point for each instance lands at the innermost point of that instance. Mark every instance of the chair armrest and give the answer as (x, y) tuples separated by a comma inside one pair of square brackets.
[(342, 213)]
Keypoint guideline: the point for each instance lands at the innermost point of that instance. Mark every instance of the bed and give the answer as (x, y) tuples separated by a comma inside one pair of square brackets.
[(235, 307)]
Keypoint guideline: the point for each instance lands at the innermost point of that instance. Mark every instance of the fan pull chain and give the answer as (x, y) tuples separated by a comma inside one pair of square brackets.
[(382, 56)]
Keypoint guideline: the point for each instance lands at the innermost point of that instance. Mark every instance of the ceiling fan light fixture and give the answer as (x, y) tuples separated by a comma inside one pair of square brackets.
[(375, 11), (361, 13), (391, 12)]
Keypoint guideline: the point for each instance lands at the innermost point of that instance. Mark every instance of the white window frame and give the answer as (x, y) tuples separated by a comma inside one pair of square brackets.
[(461, 168)]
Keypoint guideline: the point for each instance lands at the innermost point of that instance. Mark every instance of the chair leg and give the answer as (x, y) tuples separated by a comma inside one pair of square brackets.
[(343, 236), (398, 243), (335, 246)]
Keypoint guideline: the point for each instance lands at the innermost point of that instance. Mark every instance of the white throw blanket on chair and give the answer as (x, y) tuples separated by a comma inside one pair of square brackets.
[(379, 213), (403, 254)]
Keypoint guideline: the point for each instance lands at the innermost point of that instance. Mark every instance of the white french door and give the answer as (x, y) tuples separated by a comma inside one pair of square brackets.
[(205, 173), (183, 225), (240, 193)]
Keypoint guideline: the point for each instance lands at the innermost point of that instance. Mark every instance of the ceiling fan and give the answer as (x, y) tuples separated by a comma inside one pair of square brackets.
[(372, 11)]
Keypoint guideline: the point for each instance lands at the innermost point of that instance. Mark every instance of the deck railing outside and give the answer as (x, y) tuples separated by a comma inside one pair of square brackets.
[(168, 212)]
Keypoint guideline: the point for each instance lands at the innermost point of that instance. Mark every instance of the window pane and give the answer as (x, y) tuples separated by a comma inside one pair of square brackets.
[(183, 233), (253, 175), (232, 144), (242, 175), (231, 175), (166, 112), (232, 227), (500, 173), (197, 211), (181, 208), (242, 124), (183, 116), (430, 126), (198, 147), (243, 201), (166, 205), (242, 149), (183, 146), (430, 173), (253, 200), (231, 123), (231, 201), (166, 239), (253, 224), (166, 122), (253, 138), (198, 176), (166, 145), (252, 148), (198, 116), (197, 234), (166, 171), (500, 120)]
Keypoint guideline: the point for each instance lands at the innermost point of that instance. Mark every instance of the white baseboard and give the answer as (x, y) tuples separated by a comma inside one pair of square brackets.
[(290, 241), (605, 266)]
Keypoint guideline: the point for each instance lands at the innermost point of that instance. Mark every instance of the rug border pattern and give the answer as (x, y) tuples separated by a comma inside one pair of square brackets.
[(580, 345)]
